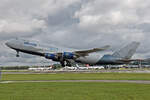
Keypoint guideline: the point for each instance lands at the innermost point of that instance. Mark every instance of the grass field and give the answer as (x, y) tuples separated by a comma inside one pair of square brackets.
[(77, 76), (74, 91)]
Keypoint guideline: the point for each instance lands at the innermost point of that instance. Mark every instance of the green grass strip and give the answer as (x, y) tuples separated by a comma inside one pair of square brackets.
[(77, 76)]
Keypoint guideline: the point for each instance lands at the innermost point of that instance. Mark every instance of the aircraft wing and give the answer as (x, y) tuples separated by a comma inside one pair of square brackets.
[(86, 52), (93, 50), (81, 53)]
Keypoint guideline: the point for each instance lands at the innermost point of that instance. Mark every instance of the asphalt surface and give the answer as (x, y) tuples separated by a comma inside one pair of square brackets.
[(107, 81)]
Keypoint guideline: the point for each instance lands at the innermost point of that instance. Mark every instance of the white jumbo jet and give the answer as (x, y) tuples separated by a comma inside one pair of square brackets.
[(91, 56)]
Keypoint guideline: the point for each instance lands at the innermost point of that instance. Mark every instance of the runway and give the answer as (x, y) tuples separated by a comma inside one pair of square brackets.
[(100, 81)]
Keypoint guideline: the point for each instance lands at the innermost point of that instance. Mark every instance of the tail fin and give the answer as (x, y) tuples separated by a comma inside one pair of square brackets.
[(128, 51)]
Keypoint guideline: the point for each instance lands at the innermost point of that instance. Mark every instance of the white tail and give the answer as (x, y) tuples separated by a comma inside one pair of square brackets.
[(128, 51)]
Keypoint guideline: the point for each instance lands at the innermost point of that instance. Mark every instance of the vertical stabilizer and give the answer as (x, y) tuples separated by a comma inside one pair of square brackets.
[(128, 51)]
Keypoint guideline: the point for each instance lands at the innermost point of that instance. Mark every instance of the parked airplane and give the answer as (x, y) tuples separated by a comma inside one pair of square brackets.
[(91, 56)]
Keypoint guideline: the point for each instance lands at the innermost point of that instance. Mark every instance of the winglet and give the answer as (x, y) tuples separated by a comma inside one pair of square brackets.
[(105, 47)]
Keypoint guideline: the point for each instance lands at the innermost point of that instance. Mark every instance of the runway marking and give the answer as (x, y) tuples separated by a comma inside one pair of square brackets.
[(107, 81)]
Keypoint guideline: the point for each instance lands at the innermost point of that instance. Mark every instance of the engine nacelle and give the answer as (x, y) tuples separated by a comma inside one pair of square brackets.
[(51, 56), (68, 55)]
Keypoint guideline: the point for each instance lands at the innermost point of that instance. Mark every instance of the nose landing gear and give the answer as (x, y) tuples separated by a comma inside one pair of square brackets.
[(17, 55)]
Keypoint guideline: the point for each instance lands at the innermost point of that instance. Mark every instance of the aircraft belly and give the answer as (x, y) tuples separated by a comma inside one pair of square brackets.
[(91, 59)]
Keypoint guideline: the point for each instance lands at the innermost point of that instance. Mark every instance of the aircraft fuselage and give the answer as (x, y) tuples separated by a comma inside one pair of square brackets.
[(91, 58)]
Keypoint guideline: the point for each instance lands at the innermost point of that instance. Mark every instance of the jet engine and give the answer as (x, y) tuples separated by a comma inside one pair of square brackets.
[(68, 55), (61, 57), (54, 57)]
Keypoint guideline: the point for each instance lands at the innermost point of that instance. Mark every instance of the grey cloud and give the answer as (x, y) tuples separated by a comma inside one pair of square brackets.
[(77, 24)]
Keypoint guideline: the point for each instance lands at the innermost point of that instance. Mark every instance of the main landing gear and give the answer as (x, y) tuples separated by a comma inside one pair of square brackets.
[(65, 63)]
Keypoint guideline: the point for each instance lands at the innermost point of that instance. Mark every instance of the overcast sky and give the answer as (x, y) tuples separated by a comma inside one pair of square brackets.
[(80, 24)]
